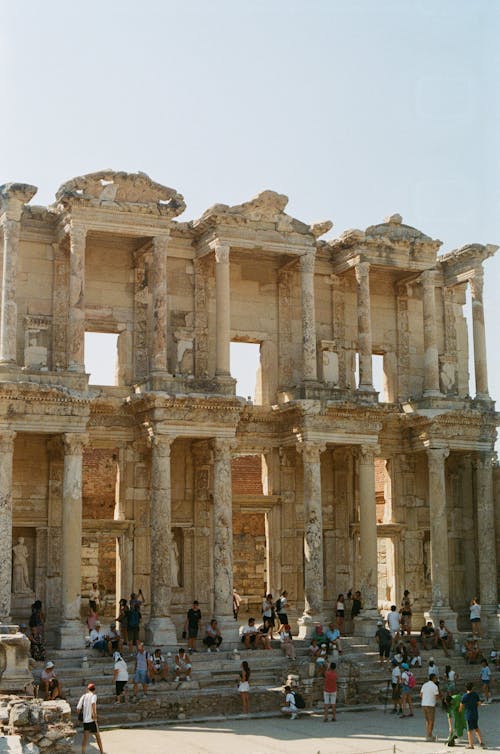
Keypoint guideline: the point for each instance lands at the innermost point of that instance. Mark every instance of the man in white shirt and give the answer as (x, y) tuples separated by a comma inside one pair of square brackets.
[(429, 694), (97, 640), (290, 707), (394, 621), (250, 634), (88, 704)]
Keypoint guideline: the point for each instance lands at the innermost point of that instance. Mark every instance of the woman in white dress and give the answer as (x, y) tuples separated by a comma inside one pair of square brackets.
[(244, 686)]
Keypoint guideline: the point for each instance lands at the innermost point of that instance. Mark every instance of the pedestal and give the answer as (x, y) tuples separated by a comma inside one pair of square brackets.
[(230, 632), (435, 614), (365, 624), (493, 624), (306, 624), (20, 605), (14, 659), (160, 632), (71, 635)]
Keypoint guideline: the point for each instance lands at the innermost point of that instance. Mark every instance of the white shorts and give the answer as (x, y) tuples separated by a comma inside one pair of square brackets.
[(330, 697), (289, 710)]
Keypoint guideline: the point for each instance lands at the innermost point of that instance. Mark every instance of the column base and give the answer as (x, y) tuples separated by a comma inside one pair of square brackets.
[(365, 624), (161, 632), (307, 623), (71, 635), (230, 632), (432, 394), (491, 621), (437, 613)]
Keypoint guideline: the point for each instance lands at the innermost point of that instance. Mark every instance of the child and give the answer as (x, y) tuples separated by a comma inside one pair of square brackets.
[(485, 676)]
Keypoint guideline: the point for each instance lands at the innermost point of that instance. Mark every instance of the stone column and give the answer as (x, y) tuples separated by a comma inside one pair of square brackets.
[(431, 356), (160, 629), (488, 593), (223, 538), (313, 538), (8, 323), (440, 607), (310, 366), (479, 335), (7, 438), (368, 565), (158, 284), (362, 271), (223, 310), (71, 629), (76, 314)]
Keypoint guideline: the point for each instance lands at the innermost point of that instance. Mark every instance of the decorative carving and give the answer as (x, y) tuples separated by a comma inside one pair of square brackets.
[(74, 443)]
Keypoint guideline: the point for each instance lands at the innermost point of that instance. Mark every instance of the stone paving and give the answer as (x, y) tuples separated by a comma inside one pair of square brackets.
[(355, 732)]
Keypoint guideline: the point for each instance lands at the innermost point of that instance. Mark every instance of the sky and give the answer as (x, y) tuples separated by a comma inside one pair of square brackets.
[(356, 109)]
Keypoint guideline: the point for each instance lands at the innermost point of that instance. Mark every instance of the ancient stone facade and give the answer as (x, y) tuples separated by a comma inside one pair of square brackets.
[(131, 485)]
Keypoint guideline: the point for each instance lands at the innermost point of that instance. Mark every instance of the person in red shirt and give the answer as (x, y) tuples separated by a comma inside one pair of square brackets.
[(330, 691)]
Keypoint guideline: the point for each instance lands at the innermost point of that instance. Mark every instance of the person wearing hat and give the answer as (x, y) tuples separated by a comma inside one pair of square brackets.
[(49, 683), (113, 639), (97, 640), (88, 705), (406, 685)]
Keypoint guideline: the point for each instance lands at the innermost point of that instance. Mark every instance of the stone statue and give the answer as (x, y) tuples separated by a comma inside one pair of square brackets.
[(175, 561), (20, 576)]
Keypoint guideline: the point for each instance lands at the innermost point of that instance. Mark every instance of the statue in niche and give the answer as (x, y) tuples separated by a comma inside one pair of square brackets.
[(20, 576), (175, 559)]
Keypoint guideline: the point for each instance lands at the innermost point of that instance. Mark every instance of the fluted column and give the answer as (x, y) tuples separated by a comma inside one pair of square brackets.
[(310, 366), (7, 438), (223, 309), (160, 629), (223, 536), (479, 335), (158, 283), (313, 537), (488, 592), (362, 271), (431, 357), (71, 629), (368, 566), (76, 314), (8, 323), (440, 564)]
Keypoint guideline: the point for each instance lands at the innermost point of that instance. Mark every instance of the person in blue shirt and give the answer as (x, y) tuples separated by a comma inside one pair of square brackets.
[(485, 676), (470, 704)]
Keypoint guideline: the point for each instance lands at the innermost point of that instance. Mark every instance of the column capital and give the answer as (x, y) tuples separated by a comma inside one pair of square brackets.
[(221, 251), (223, 447), (307, 261), (7, 437), (484, 461), (367, 453), (74, 443), (311, 451), (160, 242), (476, 282), (77, 233), (361, 270), (161, 444), (428, 278), (437, 456), (11, 229)]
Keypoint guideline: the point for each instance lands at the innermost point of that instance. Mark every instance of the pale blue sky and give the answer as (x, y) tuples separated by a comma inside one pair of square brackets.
[(355, 109)]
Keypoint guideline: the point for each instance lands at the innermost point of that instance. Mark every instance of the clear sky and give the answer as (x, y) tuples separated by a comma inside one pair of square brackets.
[(355, 109)]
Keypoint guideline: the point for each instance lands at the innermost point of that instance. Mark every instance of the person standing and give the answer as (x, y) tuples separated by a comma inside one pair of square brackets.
[(120, 677), (383, 637), (407, 682), (236, 603), (141, 671), (340, 612), (429, 694), (88, 704), (396, 688), (191, 625), (356, 605), (406, 613), (244, 686), (475, 617), (394, 622), (470, 705), (486, 680), (281, 607), (330, 692)]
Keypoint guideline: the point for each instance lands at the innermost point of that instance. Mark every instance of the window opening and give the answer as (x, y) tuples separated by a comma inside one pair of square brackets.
[(245, 369), (379, 381), (101, 357)]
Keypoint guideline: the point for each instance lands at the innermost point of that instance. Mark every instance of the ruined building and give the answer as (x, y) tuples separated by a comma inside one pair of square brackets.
[(171, 482)]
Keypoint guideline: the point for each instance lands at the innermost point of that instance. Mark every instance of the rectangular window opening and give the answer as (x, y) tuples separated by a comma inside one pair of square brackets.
[(246, 370), (101, 357), (379, 382)]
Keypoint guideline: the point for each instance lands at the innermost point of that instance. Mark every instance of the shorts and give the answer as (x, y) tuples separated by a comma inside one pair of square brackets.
[(339, 613), (330, 697), (396, 692), (192, 632), (475, 620), (133, 634), (119, 686), (252, 638), (141, 676), (486, 685), (429, 713), (384, 650), (472, 722), (91, 727), (405, 689)]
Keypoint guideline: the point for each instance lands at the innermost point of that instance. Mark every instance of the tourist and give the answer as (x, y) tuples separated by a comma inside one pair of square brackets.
[(383, 638), (250, 635), (134, 618), (444, 637), (140, 671), (475, 617), (432, 669), (394, 622), (287, 642), (314, 650), (471, 651), (49, 683), (401, 652), (321, 661), (429, 694), (455, 716), (396, 688), (97, 640), (265, 635), (485, 676), (95, 595), (37, 647), (182, 666), (213, 638), (290, 707), (470, 705), (88, 704), (113, 639), (330, 692), (406, 613), (281, 604), (122, 620), (320, 635), (356, 605), (157, 667), (120, 677), (407, 683), (268, 610), (37, 618), (427, 636), (414, 653), (191, 626), (451, 678), (244, 686), (137, 600), (340, 612), (236, 603), (92, 616), (332, 635)]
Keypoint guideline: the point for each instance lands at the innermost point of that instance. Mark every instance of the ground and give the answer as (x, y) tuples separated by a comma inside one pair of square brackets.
[(360, 732)]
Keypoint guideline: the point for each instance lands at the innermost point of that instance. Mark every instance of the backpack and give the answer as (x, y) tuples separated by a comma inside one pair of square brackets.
[(411, 680), (299, 700)]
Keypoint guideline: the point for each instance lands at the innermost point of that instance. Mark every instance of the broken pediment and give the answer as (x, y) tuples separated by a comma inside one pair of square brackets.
[(13, 196)]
